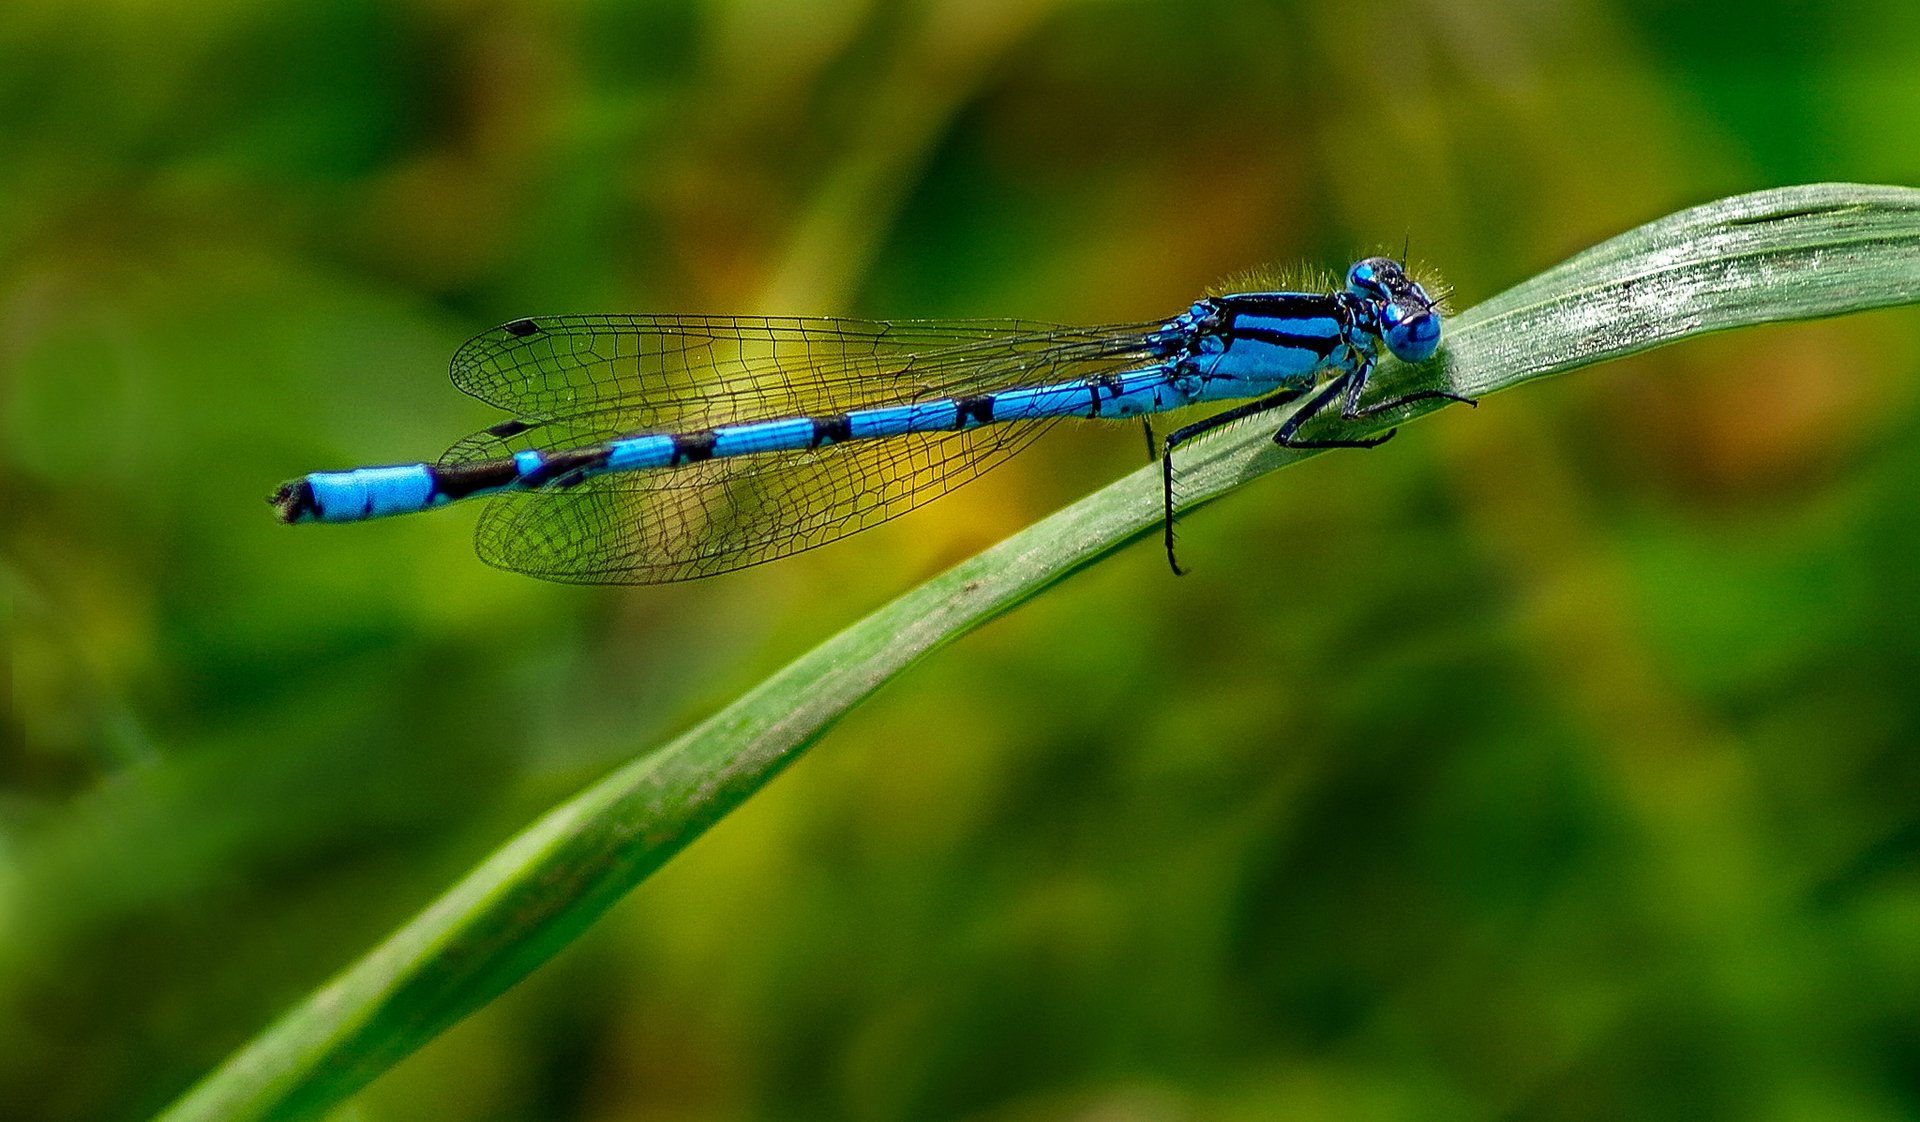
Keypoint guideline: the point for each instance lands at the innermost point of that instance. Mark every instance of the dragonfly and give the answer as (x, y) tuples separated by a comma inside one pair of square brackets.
[(644, 449)]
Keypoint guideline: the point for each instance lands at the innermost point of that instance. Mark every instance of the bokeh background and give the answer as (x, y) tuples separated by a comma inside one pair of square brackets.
[(1557, 761)]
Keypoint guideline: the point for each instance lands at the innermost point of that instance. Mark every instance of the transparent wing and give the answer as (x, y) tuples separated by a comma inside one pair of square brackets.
[(719, 515), (669, 373), (569, 397)]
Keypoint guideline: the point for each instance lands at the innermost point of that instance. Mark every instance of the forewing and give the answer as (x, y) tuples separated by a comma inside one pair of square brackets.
[(578, 380), (678, 372)]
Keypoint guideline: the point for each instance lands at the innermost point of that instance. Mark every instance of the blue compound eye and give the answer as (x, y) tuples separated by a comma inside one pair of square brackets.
[(1365, 279), (1411, 338)]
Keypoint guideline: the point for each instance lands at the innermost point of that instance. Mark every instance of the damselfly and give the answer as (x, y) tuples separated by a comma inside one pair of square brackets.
[(647, 449)]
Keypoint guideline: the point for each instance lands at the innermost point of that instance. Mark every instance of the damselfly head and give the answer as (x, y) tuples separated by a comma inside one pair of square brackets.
[(1409, 318)]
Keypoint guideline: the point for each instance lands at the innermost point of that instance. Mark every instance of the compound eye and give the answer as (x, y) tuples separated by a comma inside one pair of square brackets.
[(1411, 338), (1364, 279)]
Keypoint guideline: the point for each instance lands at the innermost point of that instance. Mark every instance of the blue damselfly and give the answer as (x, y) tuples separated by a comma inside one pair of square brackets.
[(647, 449)]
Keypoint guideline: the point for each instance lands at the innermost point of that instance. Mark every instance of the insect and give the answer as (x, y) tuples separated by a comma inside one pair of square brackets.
[(646, 449)]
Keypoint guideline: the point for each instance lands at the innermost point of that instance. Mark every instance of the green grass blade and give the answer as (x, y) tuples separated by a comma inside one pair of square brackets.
[(1794, 253)]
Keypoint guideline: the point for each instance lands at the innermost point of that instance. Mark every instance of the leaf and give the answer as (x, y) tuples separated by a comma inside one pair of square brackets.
[(1787, 254)]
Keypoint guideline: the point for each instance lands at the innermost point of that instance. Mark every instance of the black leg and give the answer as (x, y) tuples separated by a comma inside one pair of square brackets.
[(1351, 410), (1166, 478), (1153, 450), (1317, 405), (1181, 435), (1406, 399), (1351, 384)]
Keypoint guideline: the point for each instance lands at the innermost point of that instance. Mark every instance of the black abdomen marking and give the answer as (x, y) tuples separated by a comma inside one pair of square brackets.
[(978, 409), (832, 430), (692, 447)]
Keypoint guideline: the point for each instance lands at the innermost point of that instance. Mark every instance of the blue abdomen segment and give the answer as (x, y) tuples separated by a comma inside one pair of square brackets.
[(377, 492), (352, 496), (1151, 390), (764, 436), (633, 453), (1039, 402), (939, 415)]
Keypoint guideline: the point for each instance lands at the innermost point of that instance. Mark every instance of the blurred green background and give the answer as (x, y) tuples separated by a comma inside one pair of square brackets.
[(1557, 761)]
